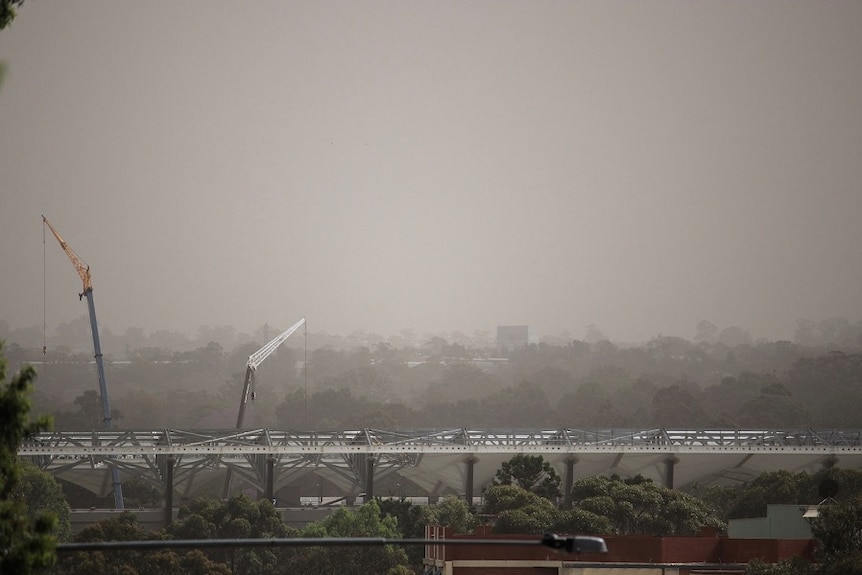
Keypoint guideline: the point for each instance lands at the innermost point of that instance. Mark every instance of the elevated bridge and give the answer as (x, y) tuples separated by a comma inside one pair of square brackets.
[(429, 463)]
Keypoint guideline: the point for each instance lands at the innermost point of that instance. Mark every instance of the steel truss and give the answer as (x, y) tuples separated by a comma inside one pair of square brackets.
[(428, 458)]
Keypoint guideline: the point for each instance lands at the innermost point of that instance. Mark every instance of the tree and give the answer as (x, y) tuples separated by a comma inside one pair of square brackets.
[(239, 518), (138, 492), (592, 334), (523, 405), (499, 498), (589, 405), (451, 512), (679, 405), (734, 336), (581, 521), (530, 472), (410, 520), (532, 519), (125, 527), (460, 380), (367, 521), (774, 407), (726, 397), (326, 409), (88, 416), (518, 510), (201, 519), (639, 506), (8, 11), (26, 544), (838, 530), (41, 493), (706, 332), (806, 333)]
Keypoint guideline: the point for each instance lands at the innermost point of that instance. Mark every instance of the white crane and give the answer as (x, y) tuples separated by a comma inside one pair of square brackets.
[(254, 360)]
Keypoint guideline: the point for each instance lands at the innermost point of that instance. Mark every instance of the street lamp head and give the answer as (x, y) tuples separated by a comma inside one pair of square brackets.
[(575, 544)]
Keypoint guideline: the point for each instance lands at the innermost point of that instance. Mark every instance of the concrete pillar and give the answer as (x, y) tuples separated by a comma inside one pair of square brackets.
[(169, 490), (670, 462), (468, 488), (270, 478), (569, 482), (369, 478)]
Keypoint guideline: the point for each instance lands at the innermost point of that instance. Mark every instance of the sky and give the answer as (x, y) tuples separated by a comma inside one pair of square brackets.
[(434, 166)]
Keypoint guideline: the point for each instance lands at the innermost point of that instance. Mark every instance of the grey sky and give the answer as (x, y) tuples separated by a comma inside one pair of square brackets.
[(438, 166)]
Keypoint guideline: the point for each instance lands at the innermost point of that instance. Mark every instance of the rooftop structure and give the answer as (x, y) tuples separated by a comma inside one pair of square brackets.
[(627, 555)]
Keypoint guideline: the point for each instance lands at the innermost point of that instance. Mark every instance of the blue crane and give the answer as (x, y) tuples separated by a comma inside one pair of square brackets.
[(84, 271)]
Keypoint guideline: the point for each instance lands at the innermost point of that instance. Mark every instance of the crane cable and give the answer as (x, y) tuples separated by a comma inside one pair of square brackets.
[(44, 306), (305, 373)]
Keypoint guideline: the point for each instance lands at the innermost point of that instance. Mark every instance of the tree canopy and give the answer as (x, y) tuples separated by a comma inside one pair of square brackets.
[(41, 493), (530, 472), (8, 11), (639, 506), (838, 529), (163, 381), (27, 540), (602, 506)]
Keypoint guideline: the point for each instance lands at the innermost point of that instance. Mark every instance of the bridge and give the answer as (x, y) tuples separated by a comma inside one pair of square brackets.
[(429, 463)]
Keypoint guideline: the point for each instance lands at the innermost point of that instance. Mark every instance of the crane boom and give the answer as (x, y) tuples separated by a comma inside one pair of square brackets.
[(84, 272), (82, 268), (254, 361), (257, 357)]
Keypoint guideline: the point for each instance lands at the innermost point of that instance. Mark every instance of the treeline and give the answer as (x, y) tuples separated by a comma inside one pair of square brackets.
[(667, 382), (73, 337)]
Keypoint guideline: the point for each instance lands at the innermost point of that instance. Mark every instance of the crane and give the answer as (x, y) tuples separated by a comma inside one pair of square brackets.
[(84, 272), (254, 360)]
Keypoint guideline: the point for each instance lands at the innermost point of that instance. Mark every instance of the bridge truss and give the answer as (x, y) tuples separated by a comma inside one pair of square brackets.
[(432, 463)]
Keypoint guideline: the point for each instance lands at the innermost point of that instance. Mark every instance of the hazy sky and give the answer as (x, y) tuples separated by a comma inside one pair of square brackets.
[(438, 166)]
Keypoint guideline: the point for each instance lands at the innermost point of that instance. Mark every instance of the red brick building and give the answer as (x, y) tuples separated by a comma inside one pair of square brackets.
[(627, 555)]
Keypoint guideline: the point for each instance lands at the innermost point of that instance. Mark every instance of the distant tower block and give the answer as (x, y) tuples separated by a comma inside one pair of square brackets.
[(511, 337)]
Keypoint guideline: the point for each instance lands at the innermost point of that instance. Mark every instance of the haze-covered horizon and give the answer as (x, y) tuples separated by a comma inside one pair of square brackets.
[(74, 336), (438, 167)]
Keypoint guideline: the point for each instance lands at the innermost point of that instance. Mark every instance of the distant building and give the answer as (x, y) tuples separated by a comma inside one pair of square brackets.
[(512, 337)]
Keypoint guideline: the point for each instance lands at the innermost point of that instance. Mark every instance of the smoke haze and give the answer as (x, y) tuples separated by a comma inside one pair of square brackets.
[(435, 166)]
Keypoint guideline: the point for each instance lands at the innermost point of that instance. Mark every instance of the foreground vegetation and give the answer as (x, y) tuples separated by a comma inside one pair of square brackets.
[(601, 505)]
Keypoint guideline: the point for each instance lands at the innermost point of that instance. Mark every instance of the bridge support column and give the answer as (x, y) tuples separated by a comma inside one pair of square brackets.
[(369, 479), (270, 478), (169, 490), (670, 462), (569, 482), (468, 488)]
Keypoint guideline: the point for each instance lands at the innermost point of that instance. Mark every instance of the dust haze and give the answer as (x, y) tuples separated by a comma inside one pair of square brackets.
[(434, 167)]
